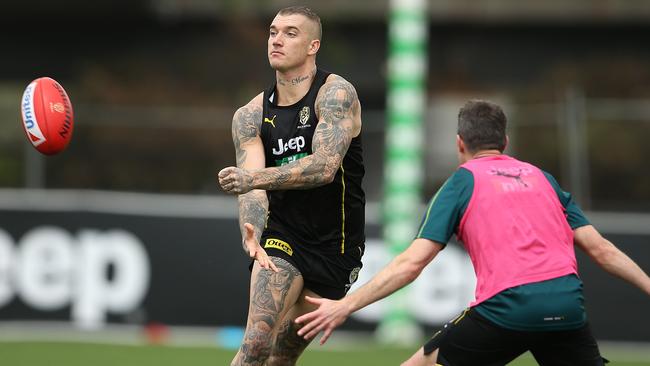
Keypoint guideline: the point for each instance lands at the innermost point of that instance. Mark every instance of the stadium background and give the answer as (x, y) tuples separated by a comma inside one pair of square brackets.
[(126, 231)]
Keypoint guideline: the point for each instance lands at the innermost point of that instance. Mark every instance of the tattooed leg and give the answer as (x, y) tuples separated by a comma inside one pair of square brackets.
[(271, 296), (288, 345)]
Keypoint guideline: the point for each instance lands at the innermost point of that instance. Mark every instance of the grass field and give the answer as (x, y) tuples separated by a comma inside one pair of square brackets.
[(84, 354)]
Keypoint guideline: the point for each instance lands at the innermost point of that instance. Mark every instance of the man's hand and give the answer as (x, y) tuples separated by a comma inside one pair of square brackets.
[(255, 251), (329, 315), (235, 180)]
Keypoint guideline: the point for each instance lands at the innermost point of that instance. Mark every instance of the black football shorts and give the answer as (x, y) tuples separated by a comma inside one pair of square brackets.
[(471, 340), (325, 270)]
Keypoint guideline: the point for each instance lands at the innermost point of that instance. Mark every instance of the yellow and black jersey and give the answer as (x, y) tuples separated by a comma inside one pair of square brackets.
[(329, 216)]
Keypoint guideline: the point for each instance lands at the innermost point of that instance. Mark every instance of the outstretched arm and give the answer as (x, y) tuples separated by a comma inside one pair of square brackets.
[(401, 271), (610, 258), (338, 111), (249, 151)]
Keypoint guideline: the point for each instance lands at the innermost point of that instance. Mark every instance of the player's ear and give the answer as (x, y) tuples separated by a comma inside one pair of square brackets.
[(460, 144), (460, 147), (506, 144), (314, 46)]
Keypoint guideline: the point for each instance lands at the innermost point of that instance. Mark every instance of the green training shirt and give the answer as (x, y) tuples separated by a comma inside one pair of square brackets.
[(526, 307)]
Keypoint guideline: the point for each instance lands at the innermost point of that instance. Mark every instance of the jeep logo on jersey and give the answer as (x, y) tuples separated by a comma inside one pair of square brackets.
[(296, 143)]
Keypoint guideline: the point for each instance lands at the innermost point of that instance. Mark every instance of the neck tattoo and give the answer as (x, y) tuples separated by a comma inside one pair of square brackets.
[(293, 82), (297, 80)]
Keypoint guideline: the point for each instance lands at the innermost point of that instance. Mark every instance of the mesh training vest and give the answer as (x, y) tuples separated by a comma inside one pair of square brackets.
[(514, 228)]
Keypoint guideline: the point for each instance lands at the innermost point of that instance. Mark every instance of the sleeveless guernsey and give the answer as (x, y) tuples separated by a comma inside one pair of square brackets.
[(330, 217)]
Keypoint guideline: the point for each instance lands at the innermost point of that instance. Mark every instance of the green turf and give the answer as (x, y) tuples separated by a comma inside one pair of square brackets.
[(78, 354)]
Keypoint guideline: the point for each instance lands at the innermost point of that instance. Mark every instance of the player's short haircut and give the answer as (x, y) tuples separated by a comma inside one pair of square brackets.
[(482, 126), (308, 13)]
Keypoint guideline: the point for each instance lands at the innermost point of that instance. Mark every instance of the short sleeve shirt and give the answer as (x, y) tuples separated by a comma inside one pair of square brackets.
[(441, 222), (448, 206)]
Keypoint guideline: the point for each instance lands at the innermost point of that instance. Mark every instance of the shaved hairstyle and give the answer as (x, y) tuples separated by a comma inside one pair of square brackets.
[(308, 13)]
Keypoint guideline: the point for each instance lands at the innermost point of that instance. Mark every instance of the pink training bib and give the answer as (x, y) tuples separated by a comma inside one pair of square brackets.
[(514, 228)]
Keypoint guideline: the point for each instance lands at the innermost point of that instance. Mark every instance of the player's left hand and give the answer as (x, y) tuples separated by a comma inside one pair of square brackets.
[(329, 315), (234, 180), (255, 251)]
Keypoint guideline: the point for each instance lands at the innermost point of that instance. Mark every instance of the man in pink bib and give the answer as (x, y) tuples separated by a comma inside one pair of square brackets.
[(519, 229)]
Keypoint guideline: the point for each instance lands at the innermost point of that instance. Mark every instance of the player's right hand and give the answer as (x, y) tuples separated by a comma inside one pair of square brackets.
[(328, 316), (255, 251), (235, 180)]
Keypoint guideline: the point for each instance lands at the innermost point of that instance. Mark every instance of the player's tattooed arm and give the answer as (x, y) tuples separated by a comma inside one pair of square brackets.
[(253, 209), (337, 105), (246, 126), (338, 109), (249, 153)]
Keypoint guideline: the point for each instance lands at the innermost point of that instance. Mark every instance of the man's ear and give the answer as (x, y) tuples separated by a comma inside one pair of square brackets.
[(314, 46), (460, 144), (507, 142)]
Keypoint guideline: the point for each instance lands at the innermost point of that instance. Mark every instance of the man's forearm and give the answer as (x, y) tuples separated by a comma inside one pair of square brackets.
[(615, 262), (399, 273), (253, 208), (309, 172), (610, 258)]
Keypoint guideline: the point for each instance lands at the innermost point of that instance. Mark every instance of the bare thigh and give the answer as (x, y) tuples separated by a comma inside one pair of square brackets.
[(272, 294)]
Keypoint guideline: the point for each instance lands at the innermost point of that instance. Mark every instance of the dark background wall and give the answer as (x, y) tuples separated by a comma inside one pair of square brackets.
[(199, 276)]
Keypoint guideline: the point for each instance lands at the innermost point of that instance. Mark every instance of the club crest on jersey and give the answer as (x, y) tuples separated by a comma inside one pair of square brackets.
[(304, 115)]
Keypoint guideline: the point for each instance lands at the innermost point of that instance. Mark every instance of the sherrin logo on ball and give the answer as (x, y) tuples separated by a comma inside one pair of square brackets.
[(47, 116)]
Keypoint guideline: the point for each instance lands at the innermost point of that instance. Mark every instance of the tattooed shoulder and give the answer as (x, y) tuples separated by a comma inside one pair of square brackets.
[(336, 100), (247, 121), (246, 126)]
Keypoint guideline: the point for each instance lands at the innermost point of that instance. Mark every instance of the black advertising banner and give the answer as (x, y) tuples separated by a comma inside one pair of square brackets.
[(96, 258), (91, 267)]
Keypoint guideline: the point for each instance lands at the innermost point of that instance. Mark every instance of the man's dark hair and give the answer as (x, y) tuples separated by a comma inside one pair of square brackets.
[(307, 12), (482, 126)]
